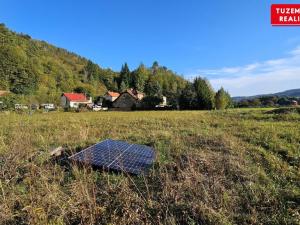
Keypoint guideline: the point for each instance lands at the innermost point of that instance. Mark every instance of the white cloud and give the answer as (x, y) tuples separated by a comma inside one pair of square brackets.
[(258, 78)]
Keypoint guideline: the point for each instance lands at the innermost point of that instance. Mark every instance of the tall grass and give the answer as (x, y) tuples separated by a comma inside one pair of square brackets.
[(227, 167)]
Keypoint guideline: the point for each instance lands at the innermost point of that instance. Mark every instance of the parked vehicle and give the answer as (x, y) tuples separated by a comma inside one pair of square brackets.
[(96, 108), (21, 106), (34, 106), (48, 106)]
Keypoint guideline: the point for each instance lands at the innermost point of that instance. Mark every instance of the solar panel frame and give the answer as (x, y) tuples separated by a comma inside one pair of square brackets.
[(117, 155)]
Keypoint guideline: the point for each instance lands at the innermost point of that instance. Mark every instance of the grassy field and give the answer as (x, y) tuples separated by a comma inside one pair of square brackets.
[(226, 167)]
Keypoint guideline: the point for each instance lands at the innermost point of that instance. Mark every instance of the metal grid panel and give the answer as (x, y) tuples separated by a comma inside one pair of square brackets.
[(117, 155)]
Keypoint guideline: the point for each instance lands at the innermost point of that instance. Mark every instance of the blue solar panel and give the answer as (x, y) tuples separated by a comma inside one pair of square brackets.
[(117, 155)]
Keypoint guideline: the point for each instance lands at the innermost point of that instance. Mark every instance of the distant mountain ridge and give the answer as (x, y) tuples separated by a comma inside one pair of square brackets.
[(287, 93)]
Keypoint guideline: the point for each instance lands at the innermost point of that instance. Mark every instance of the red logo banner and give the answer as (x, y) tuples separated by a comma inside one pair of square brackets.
[(285, 14)]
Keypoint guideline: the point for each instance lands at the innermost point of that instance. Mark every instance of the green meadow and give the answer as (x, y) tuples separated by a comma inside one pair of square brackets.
[(211, 167)]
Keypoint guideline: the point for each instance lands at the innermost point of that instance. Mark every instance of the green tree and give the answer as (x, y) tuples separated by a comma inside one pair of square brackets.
[(35, 68), (222, 99), (124, 77), (155, 67), (109, 79), (255, 102), (88, 89), (204, 92), (83, 90), (123, 86), (10, 100), (188, 97), (172, 98), (243, 103), (22, 82), (153, 88), (149, 102), (138, 77), (91, 71)]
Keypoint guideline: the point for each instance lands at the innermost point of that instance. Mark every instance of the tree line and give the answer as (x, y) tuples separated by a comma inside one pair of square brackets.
[(37, 72), (267, 101)]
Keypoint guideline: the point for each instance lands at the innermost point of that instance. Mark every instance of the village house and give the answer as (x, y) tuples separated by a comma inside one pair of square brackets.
[(128, 99), (294, 103), (111, 96), (73, 100), (163, 103)]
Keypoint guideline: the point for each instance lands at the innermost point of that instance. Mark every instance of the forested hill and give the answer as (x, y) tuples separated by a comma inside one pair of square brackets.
[(40, 71), (287, 93)]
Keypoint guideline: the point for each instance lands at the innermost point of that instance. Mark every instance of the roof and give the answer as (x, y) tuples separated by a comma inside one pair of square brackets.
[(113, 94), (130, 92), (2, 93), (75, 97), (133, 92)]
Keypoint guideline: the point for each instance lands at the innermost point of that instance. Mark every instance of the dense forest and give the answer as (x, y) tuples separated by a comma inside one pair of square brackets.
[(37, 72)]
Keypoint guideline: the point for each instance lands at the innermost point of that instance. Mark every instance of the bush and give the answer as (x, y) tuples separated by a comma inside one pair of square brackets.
[(149, 102)]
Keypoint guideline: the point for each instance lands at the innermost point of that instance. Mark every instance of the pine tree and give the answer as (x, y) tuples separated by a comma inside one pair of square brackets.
[(204, 92), (125, 77), (123, 86), (155, 67), (188, 97), (91, 71), (153, 88)]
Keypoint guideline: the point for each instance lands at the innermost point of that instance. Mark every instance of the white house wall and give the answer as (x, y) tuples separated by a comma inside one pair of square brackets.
[(74, 105)]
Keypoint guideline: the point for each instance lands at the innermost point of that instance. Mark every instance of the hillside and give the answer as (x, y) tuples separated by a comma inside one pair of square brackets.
[(41, 72), (288, 93)]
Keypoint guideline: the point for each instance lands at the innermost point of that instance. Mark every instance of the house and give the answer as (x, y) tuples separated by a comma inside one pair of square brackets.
[(163, 103), (128, 99), (73, 100), (111, 96), (294, 103), (139, 95)]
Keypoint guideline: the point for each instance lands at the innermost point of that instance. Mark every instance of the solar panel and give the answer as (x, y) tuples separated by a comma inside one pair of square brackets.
[(117, 155)]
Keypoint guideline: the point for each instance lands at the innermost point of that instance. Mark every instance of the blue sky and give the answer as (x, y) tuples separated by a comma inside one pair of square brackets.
[(230, 42)]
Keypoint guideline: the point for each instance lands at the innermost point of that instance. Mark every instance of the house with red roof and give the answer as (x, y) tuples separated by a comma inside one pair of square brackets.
[(73, 100), (111, 96)]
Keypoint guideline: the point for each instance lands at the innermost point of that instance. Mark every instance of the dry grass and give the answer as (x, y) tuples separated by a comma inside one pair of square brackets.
[(230, 167)]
